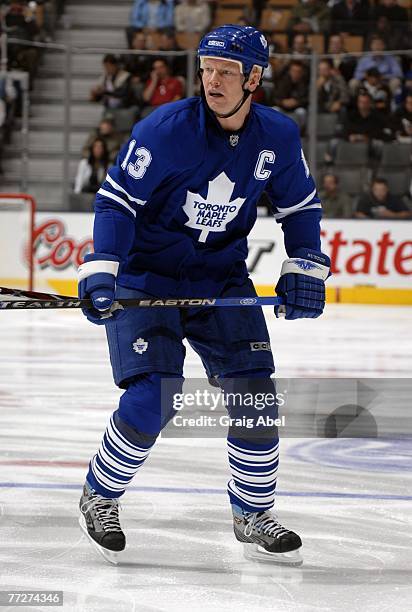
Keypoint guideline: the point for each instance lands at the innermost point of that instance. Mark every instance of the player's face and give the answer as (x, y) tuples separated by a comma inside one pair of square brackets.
[(222, 81)]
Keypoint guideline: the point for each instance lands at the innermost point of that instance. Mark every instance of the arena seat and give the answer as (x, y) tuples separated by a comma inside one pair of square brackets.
[(396, 154), (399, 181), (274, 19), (326, 125), (351, 153)]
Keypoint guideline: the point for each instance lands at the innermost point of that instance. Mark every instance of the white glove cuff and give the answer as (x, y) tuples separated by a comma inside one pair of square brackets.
[(97, 267), (297, 265)]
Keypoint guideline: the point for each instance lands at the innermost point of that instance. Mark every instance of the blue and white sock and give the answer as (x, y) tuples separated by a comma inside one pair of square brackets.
[(254, 470), (116, 462)]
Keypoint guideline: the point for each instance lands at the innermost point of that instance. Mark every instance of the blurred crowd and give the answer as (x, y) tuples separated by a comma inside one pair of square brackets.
[(363, 99), (24, 21)]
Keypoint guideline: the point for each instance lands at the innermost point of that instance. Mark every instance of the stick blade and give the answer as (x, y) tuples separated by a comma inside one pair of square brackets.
[(8, 293)]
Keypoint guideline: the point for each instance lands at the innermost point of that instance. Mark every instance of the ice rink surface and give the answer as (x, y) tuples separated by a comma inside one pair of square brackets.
[(350, 500)]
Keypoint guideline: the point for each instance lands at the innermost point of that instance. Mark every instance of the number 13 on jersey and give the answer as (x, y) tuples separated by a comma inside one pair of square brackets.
[(137, 169)]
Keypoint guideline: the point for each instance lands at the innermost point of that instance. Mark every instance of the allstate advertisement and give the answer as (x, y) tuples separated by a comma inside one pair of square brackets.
[(363, 253)]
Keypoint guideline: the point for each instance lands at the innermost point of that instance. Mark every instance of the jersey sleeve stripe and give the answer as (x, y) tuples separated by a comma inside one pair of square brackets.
[(122, 190), (115, 198), (292, 209), (288, 209)]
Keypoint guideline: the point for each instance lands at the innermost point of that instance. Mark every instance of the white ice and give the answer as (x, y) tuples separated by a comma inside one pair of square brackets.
[(56, 394)]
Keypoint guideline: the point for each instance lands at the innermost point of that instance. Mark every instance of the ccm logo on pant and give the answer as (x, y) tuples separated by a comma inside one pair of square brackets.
[(260, 346)]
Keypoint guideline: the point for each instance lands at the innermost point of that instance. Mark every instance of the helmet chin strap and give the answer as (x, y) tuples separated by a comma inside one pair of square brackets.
[(246, 94)]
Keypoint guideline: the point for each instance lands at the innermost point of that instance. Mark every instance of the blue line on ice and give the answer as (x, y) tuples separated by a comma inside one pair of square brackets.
[(42, 485)]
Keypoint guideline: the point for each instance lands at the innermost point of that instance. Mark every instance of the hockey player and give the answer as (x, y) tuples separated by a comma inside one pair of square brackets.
[(172, 220)]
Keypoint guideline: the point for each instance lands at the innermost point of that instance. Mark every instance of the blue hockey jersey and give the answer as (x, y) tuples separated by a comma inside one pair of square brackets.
[(179, 203)]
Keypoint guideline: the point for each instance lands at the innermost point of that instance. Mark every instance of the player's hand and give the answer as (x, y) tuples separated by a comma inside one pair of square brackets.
[(97, 282), (302, 284)]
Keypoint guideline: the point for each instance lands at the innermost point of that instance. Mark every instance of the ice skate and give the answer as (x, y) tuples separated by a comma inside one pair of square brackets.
[(99, 519), (264, 538)]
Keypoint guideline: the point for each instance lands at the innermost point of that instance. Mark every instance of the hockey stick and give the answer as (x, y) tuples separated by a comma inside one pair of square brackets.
[(16, 299)]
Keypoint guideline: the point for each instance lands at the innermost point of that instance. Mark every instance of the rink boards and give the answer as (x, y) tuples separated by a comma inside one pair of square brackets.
[(371, 260)]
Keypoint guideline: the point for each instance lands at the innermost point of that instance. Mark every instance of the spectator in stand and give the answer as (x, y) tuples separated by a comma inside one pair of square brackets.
[(276, 65), (392, 13), (91, 172), (50, 12), (333, 92), (161, 87), (291, 93), (396, 36), (42, 12), (19, 21), (300, 45), (192, 16), (113, 89), (394, 26), (335, 203), (106, 132), (407, 82), (309, 16), (3, 103), (152, 14), (350, 17), (8, 95), (177, 63), (402, 121), (378, 90), (392, 17), (387, 65), (138, 65), (380, 204), (363, 123), (342, 63)]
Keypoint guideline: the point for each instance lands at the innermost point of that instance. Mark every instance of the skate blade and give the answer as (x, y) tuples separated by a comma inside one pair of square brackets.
[(254, 552), (111, 556)]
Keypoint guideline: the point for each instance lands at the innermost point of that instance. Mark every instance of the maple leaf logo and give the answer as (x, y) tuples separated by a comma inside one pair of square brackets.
[(214, 213), (140, 346)]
